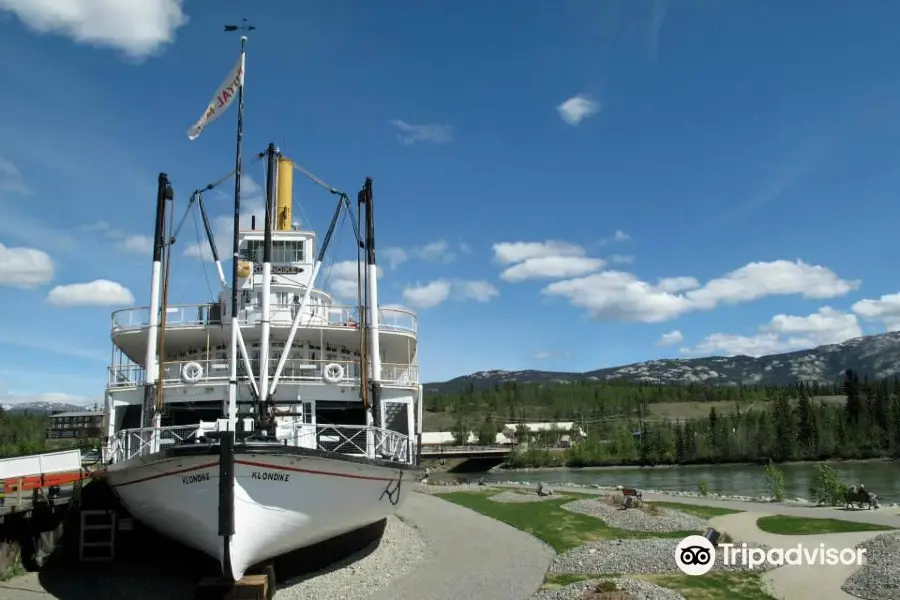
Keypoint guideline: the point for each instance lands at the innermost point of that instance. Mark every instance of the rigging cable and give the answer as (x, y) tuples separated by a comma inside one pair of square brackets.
[(202, 255)]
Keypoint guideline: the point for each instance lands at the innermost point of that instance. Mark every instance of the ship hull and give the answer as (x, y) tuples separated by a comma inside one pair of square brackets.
[(285, 498)]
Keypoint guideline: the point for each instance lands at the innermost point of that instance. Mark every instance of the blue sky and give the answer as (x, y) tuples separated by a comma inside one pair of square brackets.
[(559, 185)]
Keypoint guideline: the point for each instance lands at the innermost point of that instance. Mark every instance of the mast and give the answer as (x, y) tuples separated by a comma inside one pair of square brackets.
[(163, 193), (374, 350), (262, 410), (226, 445), (163, 311)]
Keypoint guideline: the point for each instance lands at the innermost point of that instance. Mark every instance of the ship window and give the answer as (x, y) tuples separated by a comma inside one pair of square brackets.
[(254, 251), (287, 252)]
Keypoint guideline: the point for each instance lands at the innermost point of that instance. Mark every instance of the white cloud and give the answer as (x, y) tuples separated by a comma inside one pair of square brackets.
[(621, 259), (677, 284), (431, 294), (548, 267), (784, 333), (437, 251), (507, 253), (24, 268), (11, 179), (464, 248), (618, 237), (479, 291), (100, 292), (137, 27), (342, 279), (617, 295), (886, 310), (134, 243), (395, 256), (543, 355), (139, 244), (394, 306), (434, 133), (671, 338), (253, 204), (544, 260), (578, 108), (427, 295)]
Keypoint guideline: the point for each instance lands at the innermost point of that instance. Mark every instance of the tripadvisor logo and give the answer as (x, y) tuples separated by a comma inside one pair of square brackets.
[(696, 555)]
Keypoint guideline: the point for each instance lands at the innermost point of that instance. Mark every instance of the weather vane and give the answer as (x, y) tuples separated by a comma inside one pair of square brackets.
[(243, 27)]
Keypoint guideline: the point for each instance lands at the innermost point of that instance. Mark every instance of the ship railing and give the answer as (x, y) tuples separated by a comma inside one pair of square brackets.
[(203, 315), (198, 372), (130, 443), (352, 440)]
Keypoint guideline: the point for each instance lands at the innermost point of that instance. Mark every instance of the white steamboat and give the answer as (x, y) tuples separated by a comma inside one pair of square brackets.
[(291, 420)]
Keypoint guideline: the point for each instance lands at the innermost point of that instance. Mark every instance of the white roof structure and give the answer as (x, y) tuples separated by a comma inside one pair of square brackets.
[(561, 426)]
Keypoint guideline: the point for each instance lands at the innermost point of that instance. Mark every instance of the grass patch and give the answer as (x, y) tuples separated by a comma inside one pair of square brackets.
[(12, 571), (704, 512), (560, 529), (714, 586), (786, 525), (558, 580)]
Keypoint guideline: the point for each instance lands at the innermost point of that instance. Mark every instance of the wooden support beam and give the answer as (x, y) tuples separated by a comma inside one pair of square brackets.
[(250, 587)]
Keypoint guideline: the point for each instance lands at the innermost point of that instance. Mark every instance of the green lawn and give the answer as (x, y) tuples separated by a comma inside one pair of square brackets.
[(548, 521), (712, 586), (563, 530), (704, 512), (786, 525)]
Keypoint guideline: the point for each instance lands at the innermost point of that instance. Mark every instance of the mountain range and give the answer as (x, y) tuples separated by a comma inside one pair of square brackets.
[(876, 356), (41, 407)]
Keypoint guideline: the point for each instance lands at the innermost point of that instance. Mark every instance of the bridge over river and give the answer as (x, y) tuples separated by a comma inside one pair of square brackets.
[(468, 459)]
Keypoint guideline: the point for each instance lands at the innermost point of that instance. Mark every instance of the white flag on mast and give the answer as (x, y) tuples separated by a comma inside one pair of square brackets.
[(221, 101)]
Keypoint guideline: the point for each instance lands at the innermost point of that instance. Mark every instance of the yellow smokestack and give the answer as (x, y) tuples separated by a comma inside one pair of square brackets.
[(285, 194)]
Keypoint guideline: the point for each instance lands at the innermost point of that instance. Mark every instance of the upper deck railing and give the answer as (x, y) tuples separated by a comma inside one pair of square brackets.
[(201, 315), (205, 371), (352, 440)]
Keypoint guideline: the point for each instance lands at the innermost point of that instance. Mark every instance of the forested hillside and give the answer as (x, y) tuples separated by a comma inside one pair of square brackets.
[(670, 424), (25, 433)]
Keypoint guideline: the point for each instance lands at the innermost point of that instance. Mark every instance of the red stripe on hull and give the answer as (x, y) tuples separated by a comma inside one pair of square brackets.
[(310, 471), (259, 465), (158, 475)]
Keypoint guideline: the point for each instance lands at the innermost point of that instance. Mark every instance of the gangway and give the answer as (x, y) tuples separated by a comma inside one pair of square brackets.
[(34, 473)]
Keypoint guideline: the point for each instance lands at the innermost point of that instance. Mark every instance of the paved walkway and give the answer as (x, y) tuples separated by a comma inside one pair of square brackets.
[(469, 556), (793, 581)]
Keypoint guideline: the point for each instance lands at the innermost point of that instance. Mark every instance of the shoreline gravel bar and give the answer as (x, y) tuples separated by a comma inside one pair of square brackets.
[(635, 519), (879, 578)]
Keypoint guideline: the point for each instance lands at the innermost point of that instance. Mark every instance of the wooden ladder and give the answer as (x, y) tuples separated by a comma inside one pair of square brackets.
[(97, 539)]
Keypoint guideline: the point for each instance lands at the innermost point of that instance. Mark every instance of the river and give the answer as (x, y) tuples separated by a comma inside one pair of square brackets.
[(879, 477)]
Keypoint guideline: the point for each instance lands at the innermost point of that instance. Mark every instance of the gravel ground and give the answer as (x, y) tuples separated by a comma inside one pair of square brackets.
[(519, 497), (431, 489), (636, 588), (401, 549), (636, 519), (652, 555), (879, 578)]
